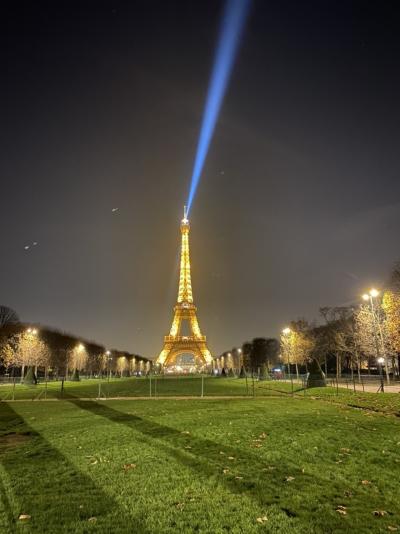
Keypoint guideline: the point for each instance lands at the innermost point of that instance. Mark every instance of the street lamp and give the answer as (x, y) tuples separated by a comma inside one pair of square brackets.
[(373, 293), (380, 362), (109, 358), (240, 352), (286, 332), (32, 331)]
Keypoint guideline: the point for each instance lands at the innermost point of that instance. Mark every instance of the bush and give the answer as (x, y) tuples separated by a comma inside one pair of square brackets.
[(30, 377), (316, 378), (264, 372), (75, 376)]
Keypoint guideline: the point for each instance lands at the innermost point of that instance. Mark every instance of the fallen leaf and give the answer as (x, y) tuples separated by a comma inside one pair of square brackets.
[(262, 519), (24, 517), (365, 482), (129, 466), (225, 471), (379, 513), (263, 435), (392, 528), (239, 478), (188, 447), (231, 457), (185, 432), (92, 519), (289, 479)]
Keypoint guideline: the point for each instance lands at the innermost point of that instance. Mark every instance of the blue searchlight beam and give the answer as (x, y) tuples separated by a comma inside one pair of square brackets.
[(232, 25)]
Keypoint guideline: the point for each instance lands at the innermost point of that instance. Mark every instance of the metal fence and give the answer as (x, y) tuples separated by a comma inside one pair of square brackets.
[(201, 386)]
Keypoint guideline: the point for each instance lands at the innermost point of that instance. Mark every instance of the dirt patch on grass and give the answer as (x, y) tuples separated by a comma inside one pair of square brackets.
[(14, 439)]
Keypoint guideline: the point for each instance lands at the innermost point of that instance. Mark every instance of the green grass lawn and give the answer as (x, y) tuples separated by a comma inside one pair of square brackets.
[(283, 465), (140, 387), (191, 386)]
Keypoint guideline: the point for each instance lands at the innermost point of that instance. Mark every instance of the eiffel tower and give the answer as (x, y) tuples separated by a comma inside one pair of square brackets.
[(176, 344)]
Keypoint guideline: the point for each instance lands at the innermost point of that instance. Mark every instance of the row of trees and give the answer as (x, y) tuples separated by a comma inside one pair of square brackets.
[(352, 339), (257, 356), (27, 349)]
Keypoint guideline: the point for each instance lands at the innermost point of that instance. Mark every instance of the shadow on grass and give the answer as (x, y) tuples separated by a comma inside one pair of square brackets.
[(36, 479), (204, 457)]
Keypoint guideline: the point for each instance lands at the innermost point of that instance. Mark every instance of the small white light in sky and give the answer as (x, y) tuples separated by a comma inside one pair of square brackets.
[(26, 247), (114, 210), (34, 243)]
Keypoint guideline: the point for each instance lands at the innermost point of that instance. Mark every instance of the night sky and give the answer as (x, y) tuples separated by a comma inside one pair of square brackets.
[(299, 203)]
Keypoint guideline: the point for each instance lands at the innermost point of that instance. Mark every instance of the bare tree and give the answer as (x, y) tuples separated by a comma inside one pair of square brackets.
[(371, 332), (297, 344), (8, 316), (30, 351), (391, 308), (340, 337)]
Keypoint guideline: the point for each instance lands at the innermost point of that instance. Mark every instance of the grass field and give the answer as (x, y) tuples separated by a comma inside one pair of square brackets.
[(236, 465), (133, 387), (192, 387)]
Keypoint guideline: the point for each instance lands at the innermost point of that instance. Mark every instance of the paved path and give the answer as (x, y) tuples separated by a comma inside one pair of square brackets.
[(373, 388)]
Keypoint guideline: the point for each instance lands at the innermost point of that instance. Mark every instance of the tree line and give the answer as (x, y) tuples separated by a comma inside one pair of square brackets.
[(29, 350), (356, 339), (257, 357), (351, 340)]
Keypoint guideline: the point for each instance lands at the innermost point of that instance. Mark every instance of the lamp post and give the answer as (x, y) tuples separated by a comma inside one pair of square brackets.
[(240, 360), (30, 336), (79, 361), (108, 354), (380, 362), (286, 332), (369, 297)]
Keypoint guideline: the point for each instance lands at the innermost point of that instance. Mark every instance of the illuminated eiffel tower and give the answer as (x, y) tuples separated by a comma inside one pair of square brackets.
[(176, 344)]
